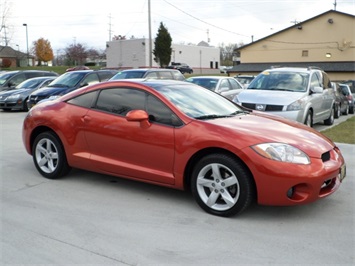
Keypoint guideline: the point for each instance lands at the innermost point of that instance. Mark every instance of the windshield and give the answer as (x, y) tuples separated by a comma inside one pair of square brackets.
[(199, 103), (5, 77), (280, 81), (69, 79), (29, 84), (128, 75), (208, 83)]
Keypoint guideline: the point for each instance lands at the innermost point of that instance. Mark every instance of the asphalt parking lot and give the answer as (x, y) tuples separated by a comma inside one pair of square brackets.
[(93, 219)]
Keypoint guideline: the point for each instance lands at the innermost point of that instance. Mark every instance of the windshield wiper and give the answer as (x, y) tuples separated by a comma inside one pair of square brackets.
[(214, 116), (58, 85)]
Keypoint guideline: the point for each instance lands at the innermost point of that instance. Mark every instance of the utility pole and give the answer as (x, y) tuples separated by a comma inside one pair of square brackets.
[(335, 4), (150, 36)]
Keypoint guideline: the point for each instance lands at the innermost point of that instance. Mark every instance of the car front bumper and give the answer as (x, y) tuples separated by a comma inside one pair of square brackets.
[(286, 184)]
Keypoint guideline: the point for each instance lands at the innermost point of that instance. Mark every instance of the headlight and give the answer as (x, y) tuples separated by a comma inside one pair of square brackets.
[(53, 97), (282, 152), (297, 105), (13, 97)]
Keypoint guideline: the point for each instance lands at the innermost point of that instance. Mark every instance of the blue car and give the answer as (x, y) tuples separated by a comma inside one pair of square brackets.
[(68, 82), (17, 97)]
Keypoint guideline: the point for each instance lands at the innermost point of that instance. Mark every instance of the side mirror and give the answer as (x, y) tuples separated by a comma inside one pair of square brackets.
[(139, 116), (316, 90)]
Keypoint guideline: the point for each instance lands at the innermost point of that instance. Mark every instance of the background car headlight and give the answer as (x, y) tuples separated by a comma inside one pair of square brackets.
[(13, 97), (282, 152), (297, 105)]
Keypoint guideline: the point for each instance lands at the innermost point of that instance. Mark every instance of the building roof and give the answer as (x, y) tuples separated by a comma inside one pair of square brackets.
[(8, 52), (326, 66)]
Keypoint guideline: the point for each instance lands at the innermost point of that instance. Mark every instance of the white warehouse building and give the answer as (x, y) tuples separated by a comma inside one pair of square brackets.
[(134, 53)]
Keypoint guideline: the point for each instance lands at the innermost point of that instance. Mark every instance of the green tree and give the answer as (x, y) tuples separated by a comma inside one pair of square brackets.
[(162, 46), (43, 51)]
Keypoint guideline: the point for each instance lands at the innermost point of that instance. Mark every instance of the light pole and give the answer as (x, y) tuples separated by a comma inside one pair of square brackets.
[(28, 56)]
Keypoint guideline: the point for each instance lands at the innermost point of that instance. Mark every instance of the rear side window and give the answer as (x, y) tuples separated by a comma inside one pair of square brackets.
[(120, 101), (85, 100), (152, 75), (165, 75)]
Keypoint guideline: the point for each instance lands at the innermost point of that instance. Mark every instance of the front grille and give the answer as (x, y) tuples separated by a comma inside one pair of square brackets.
[(326, 156), (249, 105), (271, 108), (268, 108), (35, 99)]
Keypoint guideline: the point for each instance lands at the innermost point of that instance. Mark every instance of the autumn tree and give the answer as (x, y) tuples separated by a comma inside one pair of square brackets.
[(162, 46), (43, 51)]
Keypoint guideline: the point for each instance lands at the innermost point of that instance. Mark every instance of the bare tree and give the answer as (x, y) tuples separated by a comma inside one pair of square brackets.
[(76, 54)]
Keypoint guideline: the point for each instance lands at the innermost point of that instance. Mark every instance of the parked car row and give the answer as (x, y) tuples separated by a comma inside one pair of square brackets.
[(305, 95)]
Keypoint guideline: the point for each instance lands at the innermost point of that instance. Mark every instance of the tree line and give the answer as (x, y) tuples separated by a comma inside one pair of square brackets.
[(78, 54)]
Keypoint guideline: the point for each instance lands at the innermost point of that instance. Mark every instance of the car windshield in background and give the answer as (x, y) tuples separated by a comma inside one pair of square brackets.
[(128, 75), (199, 103), (69, 79), (204, 82), (281, 81), (29, 84)]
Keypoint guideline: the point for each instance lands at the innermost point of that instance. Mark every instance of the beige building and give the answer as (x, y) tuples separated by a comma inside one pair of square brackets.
[(326, 41)]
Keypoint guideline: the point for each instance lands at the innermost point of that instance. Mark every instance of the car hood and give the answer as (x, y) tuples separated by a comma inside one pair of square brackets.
[(260, 127), (269, 96), (47, 91), (14, 92)]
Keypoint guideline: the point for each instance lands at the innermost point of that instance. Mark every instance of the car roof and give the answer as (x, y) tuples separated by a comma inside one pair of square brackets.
[(209, 77), (148, 69), (292, 69)]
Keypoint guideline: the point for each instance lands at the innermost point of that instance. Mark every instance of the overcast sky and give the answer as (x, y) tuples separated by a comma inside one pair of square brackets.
[(91, 23)]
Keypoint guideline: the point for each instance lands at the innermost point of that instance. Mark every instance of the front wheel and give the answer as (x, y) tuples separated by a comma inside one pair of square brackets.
[(49, 156), (309, 119), (222, 185)]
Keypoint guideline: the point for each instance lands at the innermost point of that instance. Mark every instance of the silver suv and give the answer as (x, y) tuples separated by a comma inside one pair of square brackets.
[(301, 94)]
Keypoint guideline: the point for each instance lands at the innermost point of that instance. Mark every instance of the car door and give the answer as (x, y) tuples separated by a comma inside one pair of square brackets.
[(317, 99), (130, 148)]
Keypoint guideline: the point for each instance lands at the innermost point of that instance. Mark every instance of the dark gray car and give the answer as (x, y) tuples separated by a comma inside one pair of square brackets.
[(17, 98), (10, 79)]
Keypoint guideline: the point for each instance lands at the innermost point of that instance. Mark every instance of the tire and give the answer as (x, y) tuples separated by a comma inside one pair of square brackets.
[(24, 106), (330, 120), (337, 112), (221, 185), (49, 156), (346, 112), (309, 119)]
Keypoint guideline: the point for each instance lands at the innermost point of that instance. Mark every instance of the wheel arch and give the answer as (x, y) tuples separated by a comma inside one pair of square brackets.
[(42, 129), (204, 152)]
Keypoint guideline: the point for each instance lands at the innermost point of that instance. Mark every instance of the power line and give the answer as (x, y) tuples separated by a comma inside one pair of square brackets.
[(217, 27)]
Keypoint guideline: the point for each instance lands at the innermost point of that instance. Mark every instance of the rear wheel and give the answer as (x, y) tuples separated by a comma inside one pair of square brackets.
[(49, 156), (337, 112), (222, 185), (346, 111), (330, 120)]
